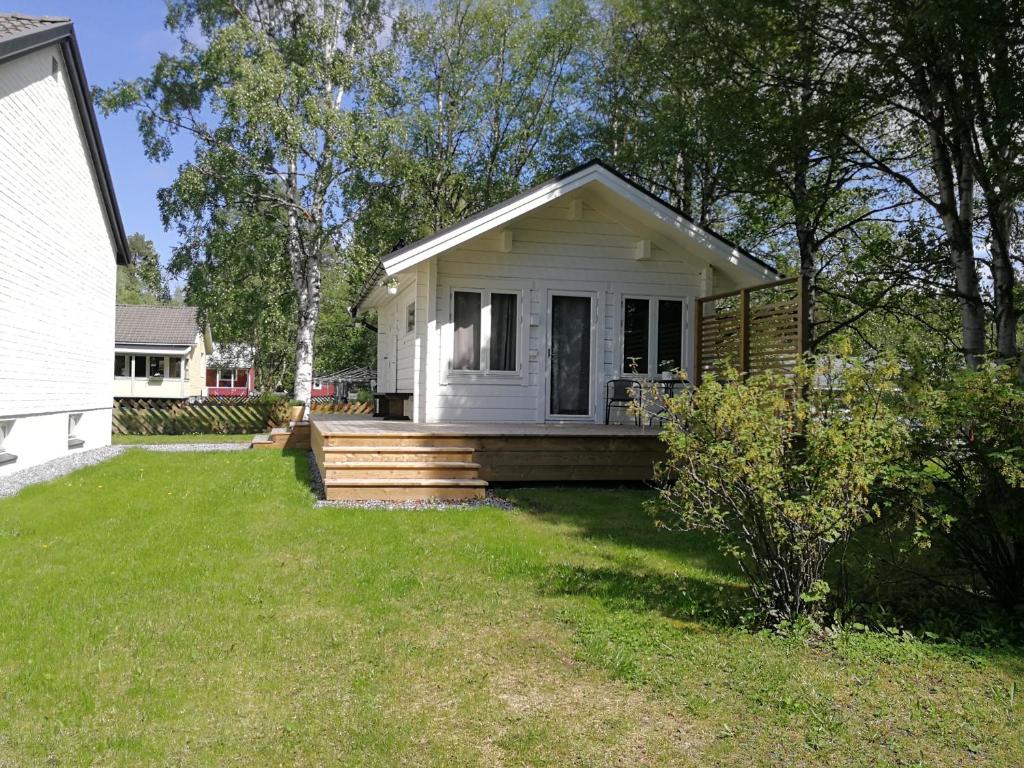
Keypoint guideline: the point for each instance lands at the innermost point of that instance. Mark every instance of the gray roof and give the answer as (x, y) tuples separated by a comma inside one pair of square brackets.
[(21, 34), (17, 24), (156, 324)]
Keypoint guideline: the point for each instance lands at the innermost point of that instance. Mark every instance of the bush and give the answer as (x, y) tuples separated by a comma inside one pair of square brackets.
[(969, 468), (781, 479)]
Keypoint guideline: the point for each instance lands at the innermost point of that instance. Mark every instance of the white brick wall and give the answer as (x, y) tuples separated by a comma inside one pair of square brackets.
[(57, 267)]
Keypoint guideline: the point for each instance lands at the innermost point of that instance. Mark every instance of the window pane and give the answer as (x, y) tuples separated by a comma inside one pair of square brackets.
[(140, 366), (410, 318), (635, 336), (120, 365), (174, 369), (504, 324), (466, 312), (670, 335), (156, 366)]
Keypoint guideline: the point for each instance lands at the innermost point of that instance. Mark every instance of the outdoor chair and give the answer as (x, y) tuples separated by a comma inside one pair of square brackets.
[(621, 393)]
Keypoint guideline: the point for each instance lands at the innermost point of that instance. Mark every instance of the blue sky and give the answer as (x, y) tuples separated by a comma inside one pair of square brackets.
[(121, 39)]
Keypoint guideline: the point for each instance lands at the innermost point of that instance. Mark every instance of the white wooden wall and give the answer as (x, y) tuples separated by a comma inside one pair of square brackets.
[(57, 266)]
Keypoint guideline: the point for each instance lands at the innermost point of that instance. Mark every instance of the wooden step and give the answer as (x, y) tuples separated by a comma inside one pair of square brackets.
[(400, 439), (438, 470), (403, 489), (390, 453), (296, 436)]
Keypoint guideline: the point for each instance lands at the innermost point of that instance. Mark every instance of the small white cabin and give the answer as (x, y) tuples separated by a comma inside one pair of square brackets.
[(525, 311)]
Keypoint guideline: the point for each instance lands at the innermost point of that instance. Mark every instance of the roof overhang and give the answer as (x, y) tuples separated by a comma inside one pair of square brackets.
[(63, 35), (151, 349), (621, 199)]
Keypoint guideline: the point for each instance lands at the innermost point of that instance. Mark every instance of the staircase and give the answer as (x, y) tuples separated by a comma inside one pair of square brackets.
[(293, 437), (401, 468)]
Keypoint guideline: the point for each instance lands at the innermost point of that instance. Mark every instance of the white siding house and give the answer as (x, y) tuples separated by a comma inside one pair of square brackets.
[(524, 312), (61, 237)]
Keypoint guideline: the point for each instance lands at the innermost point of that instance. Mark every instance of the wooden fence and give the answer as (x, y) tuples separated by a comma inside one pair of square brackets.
[(332, 407), (765, 328), (140, 416)]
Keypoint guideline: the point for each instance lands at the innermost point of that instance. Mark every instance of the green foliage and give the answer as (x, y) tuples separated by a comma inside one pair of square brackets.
[(470, 101), (967, 475), (143, 281), (341, 341), (782, 479)]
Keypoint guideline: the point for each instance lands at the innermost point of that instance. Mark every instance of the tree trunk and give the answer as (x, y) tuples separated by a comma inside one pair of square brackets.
[(1000, 215), (954, 174)]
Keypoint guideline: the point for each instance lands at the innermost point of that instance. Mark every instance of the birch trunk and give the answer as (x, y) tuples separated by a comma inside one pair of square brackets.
[(1003, 279)]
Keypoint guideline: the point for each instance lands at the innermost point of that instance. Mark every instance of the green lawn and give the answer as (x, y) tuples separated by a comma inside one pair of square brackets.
[(157, 439), (172, 609)]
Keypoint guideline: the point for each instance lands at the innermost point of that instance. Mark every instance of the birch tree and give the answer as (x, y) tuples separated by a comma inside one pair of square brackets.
[(261, 90)]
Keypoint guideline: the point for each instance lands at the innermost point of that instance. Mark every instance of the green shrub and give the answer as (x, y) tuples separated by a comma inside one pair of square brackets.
[(969, 467), (781, 479)]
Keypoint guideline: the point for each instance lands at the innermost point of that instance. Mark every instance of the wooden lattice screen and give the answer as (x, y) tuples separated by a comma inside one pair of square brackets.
[(764, 328)]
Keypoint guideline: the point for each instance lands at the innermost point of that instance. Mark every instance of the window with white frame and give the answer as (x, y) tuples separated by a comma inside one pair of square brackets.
[(74, 420), (157, 367), (226, 377), (139, 366), (6, 457), (122, 366), (174, 368), (485, 331), (410, 317), (652, 335)]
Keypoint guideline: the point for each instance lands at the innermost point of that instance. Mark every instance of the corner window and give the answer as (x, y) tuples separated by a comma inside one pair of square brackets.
[(466, 315), (121, 366), (636, 336)]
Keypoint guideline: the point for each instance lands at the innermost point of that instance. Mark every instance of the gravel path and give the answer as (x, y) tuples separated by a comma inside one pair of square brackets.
[(51, 470)]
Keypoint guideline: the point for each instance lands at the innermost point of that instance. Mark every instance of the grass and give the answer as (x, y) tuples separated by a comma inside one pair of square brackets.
[(158, 439), (158, 609)]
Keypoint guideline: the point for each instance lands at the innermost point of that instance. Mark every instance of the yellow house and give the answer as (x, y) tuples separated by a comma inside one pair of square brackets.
[(160, 352)]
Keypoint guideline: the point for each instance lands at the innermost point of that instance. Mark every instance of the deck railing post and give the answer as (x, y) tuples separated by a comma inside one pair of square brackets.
[(744, 361), (698, 342)]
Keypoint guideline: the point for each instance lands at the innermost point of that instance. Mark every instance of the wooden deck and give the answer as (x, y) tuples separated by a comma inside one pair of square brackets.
[(370, 459)]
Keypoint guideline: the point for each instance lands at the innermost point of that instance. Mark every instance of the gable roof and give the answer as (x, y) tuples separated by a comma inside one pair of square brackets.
[(21, 34), (669, 219), (158, 325)]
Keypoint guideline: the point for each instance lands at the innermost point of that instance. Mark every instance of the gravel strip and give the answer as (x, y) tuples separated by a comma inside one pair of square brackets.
[(189, 447), (51, 470), (317, 484)]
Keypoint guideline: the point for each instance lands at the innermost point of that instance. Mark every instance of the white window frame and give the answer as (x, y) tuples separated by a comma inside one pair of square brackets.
[(484, 372), (653, 310), (128, 364), (220, 372)]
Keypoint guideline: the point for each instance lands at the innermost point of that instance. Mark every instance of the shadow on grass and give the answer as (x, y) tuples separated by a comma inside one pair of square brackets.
[(683, 576), (300, 464), (619, 516), (631, 588)]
